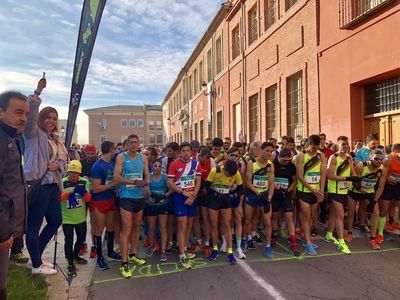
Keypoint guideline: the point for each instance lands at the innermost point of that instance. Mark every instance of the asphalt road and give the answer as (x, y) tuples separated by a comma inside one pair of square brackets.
[(365, 274)]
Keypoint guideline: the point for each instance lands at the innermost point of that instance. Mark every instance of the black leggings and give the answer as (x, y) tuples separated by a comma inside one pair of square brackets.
[(80, 230)]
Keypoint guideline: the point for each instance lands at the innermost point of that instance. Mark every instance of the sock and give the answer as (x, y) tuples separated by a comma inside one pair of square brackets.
[(253, 234), (341, 241), (268, 245), (124, 264), (199, 241), (238, 242), (223, 239), (230, 251), (249, 237), (97, 244), (293, 240), (215, 247), (275, 234), (110, 242), (207, 243), (381, 225), (329, 234), (391, 220), (182, 256), (349, 232)]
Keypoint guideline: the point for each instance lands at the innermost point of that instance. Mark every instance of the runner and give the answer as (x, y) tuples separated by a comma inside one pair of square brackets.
[(221, 183), (339, 173), (157, 207), (103, 203), (364, 194), (389, 188), (227, 143), (132, 173), (364, 153), (217, 153), (285, 183), (259, 191), (184, 178), (311, 177), (208, 142)]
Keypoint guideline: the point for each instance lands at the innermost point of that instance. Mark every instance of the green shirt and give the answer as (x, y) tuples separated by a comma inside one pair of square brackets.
[(74, 215)]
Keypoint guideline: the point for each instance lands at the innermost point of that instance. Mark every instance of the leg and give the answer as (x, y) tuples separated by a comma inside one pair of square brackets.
[(339, 219), (18, 245), (163, 221), (214, 226), (152, 222), (110, 221), (80, 230), (383, 210), (68, 230), (226, 215), (238, 213), (305, 214), (4, 258), (267, 227), (249, 217), (181, 234), (350, 215), (362, 208), (206, 224), (100, 223), (126, 221), (137, 220), (196, 225)]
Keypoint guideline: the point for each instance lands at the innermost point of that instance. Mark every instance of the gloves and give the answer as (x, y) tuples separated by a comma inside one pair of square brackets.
[(267, 207), (81, 191), (73, 203), (353, 179)]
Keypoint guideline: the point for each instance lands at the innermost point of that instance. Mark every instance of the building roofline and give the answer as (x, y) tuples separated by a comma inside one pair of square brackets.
[(124, 108)]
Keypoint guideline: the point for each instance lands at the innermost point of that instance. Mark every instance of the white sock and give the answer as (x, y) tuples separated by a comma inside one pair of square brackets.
[(182, 256), (223, 239), (199, 241), (249, 237), (253, 234), (207, 243)]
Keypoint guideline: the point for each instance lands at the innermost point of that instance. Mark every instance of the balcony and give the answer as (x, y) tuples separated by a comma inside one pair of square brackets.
[(352, 12)]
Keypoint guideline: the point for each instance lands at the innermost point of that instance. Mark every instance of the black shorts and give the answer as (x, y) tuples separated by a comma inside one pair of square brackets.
[(341, 198), (216, 203), (360, 197), (308, 198), (132, 205), (156, 210), (279, 203), (202, 200), (391, 192)]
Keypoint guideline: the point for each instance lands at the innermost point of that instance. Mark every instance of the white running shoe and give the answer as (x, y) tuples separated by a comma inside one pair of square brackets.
[(48, 264), (44, 270), (240, 254), (223, 248)]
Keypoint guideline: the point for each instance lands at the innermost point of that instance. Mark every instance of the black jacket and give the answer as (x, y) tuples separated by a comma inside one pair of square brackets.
[(13, 205)]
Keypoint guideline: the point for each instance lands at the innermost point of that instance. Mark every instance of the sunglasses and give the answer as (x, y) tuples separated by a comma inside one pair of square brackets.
[(234, 155), (378, 158), (286, 159)]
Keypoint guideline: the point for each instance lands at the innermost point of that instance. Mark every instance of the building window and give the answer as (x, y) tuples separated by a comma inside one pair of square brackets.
[(152, 125), (180, 98), (382, 96), (218, 54), (209, 66), (295, 106), (219, 124), (290, 3), (201, 135), (124, 123), (195, 89), (253, 30), (195, 131), (190, 87), (159, 140), (235, 42), (131, 123), (201, 77), (270, 13), (152, 139), (103, 138), (184, 91), (270, 114), (103, 123), (140, 123), (159, 125), (253, 117)]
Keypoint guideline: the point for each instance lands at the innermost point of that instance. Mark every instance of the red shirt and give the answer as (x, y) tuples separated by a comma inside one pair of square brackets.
[(205, 169), (179, 168), (327, 152)]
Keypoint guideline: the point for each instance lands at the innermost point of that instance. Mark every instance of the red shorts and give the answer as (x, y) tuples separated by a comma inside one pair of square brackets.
[(102, 206)]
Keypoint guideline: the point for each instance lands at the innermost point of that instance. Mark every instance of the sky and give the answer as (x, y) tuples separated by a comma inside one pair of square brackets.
[(141, 46)]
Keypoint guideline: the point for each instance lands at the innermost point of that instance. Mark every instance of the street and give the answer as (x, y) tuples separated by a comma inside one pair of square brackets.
[(365, 274)]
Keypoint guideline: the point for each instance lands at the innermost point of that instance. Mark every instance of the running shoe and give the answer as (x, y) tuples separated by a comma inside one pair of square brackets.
[(315, 246), (195, 247), (231, 259), (240, 254), (298, 232), (184, 263), (169, 248), (83, 250), (374, 245), (207, 251), (114, 256), (364, 230), (268, 252), (134, 259), (80, 260), (163, 257), (387, 236), (156, 245), (258, 238), (331, 240), (313, 231), (146, 243), (213, 256), (19, 258), (102, 264), (250, 245), (310, 250), (190, 255), (125, 271), (295, 251), (389, 227), (348, 237), (396, 226), (260, 231), (71, 271), (223, 248), (93, 253), (150, 251), (379, 239), (283, 234), (273, 242), (344, 248)]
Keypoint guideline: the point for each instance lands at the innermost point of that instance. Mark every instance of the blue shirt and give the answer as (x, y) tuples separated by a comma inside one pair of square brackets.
[(105, 172), (158, 190), (132, 169), (363, 154)]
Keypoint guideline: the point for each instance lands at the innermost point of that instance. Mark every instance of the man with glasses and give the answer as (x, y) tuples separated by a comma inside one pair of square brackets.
[(364, 153), (227, 143)]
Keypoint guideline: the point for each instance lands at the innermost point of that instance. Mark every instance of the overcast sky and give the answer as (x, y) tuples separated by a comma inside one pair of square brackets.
[(140, 48)]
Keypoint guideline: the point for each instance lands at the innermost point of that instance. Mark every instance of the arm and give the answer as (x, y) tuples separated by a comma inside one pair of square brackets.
[(323, 180), (271, 188), (331, 170), (5, 226), (298, 160), (34, 100), (382, 181), (249, 178), (119, 163), (293, 185)]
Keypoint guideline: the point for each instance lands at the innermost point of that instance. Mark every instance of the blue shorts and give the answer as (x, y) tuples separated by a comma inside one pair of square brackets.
[(235, 202), (180, 208), (253, 200)]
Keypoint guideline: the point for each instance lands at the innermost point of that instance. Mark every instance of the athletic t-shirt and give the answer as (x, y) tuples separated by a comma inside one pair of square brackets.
[(74, 214), (206, 168), (184, 173), (363, 154), (158, 190), (284, 174), (105, 172), (222, 183)]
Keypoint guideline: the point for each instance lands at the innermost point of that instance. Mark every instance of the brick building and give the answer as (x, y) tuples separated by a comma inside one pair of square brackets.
[(278, 67), (115, 123)]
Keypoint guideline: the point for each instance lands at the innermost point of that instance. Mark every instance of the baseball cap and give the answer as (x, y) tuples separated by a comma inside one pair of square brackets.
[(90, 148), (75, 166)]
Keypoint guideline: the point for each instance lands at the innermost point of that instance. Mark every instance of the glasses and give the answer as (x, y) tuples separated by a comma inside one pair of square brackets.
[(234, 155), (286, 159), (157, 166), (378, 158)]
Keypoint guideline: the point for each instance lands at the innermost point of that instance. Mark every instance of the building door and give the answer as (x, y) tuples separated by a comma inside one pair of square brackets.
[(395, 129)]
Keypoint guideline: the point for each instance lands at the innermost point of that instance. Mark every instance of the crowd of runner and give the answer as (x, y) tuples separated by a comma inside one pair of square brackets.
[(202, 199)]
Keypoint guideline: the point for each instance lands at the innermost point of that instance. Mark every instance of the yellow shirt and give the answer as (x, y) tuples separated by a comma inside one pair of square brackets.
[(222, 183)]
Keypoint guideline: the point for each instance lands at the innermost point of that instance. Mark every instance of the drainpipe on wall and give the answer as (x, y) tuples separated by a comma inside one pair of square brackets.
[(244, 97)]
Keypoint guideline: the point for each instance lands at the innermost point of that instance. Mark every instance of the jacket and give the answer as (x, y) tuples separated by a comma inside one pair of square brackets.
[(13, 203)]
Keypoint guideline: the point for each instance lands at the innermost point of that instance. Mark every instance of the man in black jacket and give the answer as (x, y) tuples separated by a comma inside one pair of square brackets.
[(14, 111)]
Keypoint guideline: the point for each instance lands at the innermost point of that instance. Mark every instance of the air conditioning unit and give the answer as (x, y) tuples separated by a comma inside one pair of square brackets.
[(102, 123)]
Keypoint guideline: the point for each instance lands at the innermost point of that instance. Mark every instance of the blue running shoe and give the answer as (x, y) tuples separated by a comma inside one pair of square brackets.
[(303, 243), (231, 259), (114, 256), (268, 252), (310, 250), (250, 245), (214, 255), (102, 264)]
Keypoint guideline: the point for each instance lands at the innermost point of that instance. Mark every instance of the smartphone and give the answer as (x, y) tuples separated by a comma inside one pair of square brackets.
[(44, 74)]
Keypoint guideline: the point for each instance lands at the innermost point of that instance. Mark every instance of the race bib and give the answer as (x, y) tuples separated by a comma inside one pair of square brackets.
[(367, 183), (260, 182), (78, 200), (282, 183), (221, 189), (187, 182), (344, 185), (395, 177), (109, 180), (132, 176), (313, 177)]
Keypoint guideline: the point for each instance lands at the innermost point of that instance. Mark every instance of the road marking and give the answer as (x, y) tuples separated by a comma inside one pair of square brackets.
[(260, 281)]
